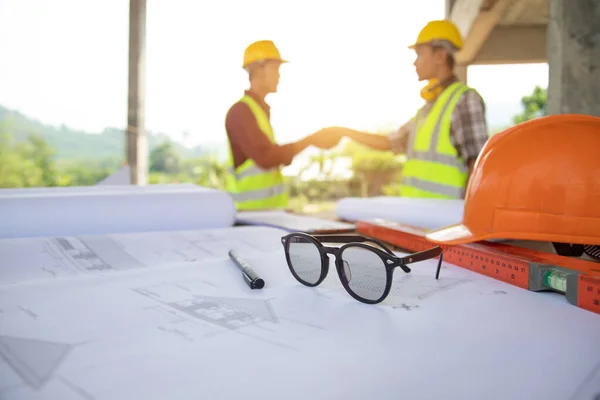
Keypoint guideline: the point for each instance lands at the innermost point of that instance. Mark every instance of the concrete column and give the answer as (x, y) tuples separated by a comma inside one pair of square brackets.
[(574, 57), (461, 72), (137, 142)]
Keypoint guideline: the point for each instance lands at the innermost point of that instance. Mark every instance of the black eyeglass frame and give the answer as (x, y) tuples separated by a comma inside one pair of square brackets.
[(388, 258)]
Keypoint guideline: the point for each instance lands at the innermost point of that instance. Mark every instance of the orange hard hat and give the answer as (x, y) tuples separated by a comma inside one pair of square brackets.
[(439, 30), (538, 180), (261, 50)]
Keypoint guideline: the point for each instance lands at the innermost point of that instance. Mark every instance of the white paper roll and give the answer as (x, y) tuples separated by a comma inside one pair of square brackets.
[(423, 213), (90, 210), (94, 189)]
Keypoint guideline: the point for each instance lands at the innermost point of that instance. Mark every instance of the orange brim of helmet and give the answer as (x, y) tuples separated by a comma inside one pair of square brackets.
[(454, 234), (460, 234)]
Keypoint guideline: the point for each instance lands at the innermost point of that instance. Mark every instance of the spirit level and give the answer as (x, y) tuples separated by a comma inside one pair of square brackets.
[(528, 269)]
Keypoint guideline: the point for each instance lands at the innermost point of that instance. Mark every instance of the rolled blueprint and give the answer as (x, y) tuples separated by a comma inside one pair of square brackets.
[(92, 210), (93, 189), (423, 213)]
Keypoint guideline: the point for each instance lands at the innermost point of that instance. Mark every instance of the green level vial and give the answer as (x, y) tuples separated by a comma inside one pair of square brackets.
[(556, 280)]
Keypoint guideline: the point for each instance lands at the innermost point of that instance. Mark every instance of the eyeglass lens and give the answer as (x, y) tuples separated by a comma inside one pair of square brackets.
[(305, 259), (363, 270), (365, 273)]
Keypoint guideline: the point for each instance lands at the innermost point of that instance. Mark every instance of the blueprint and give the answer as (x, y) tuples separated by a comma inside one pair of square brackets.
[(96, 210), (590, 386), (424, 213), (171, 318), (292, 222), (54, 257)]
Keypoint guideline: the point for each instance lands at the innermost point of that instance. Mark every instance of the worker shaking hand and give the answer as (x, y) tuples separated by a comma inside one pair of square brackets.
[(254, 177), (446, 134), (326, 138)]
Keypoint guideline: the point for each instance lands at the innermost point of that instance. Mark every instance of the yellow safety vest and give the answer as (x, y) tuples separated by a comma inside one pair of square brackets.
[(433, 167), (252, 187)]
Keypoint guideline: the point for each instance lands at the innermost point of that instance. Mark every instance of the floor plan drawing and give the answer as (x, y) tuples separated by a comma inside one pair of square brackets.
[(168, 315), (210, 315), (33, 360), (226, 312), (409, 288), (65, 256)]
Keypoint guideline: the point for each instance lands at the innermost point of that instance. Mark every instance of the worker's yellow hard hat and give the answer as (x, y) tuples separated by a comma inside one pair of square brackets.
[(261, 50), (439, 30)]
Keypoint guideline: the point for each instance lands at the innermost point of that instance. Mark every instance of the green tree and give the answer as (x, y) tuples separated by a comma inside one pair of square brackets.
[(84, 172), (534, 105), (210, 172), (164, 158), (39, 152), (16, 169)]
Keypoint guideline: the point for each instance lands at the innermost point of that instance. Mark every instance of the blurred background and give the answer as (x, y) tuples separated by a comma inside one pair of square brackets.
[(64, 85)]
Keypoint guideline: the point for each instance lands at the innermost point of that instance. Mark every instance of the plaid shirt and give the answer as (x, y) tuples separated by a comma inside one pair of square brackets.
[(468, 127)]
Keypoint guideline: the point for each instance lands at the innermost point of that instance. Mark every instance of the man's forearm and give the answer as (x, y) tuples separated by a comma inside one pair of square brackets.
[(275, 156), (300, 145), (374, 141), (287, 152)]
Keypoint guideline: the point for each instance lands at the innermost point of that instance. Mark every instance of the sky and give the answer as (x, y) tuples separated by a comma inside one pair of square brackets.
[(65, 62)]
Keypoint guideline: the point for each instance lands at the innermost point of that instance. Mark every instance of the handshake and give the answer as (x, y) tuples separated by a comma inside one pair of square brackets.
[(327, 138)]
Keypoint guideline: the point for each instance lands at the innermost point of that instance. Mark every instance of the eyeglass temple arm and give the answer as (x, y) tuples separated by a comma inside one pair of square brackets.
[(425, 255), (352, 238)]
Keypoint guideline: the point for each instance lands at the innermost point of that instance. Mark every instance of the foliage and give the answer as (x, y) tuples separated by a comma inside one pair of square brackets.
[(534, 105), (167, 166), (164, 158), (75, 144), (31, 164), (16, 169), (376, 161)]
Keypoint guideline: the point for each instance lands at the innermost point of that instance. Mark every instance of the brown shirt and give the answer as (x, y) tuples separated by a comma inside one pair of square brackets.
[(248, 141)]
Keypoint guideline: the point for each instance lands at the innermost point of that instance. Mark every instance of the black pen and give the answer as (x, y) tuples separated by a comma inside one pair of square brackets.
[(247, 272)]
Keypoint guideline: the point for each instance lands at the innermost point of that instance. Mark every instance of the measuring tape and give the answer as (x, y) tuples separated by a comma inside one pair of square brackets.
[(577, 279)]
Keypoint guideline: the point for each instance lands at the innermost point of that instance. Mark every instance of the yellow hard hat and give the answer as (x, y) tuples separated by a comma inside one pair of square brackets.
[(261, 50), (439, 30)]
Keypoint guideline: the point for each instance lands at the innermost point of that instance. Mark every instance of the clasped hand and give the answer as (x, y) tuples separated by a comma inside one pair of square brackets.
[(327, 138)]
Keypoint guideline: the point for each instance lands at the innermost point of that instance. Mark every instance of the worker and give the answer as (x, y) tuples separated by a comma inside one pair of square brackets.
[(255, 180), (445, 136)]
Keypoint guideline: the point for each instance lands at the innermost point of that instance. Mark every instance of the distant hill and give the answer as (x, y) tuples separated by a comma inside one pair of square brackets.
[(70, 143)]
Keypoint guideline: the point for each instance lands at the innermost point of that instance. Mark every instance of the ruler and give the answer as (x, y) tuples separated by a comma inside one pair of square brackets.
[(577, 279)]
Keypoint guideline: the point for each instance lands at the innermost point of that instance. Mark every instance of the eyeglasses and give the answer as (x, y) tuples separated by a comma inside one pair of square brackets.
[(365, 271)]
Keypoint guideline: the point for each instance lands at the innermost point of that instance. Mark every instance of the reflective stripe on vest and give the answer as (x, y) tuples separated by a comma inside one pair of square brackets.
[(252, 170), (433, 167), (250, 186)]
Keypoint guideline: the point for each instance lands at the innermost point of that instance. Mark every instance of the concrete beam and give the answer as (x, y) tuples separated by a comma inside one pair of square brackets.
[(449, 5), (574, 57), (137, 141), (500, 46), (464, 13), (485, 21)]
